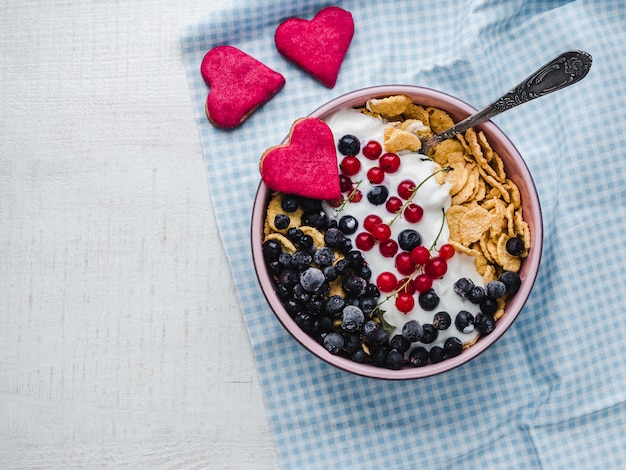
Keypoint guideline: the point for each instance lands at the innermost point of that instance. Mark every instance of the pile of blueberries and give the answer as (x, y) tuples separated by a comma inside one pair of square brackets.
[(349, 324)]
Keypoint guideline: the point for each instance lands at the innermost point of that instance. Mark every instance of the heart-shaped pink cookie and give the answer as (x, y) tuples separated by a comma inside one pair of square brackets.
[(318, 45), (239, 84), (306, 165)]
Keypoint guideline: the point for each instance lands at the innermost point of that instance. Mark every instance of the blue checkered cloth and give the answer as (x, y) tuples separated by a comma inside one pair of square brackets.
[(550, 394)]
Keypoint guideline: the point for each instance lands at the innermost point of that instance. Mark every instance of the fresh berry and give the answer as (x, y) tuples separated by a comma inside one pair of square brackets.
[(406, 286), (378, 195), (420, 255), (399, 343), (429, 300), (418, 357), (436, 267), (345, 184), (476, 294), (289, 203), (333, 237), (330, 273), (379, 357), (512, 281), (389, 162), (352, 319), (436, 354), (393, 204), (349, 145), (350, 165), (289, 278), (334, 305), (463, 286), (515, 246), (271, 250), (355, 196), (374, 333), (388, 248), (452, 347), (301, 260), (348, 224), (355, 259), (324, 257), (403, 263), (412, 330), (442, 320), (375, 175), (294, 234), (342, 267), (354, 286), (333, 343), (464, 321), (422, 282), (405, 302), (367, 304), (312, 279), (489, 306), (413, 213), (365, 241), (372, 150), (382, 232), (495, 289), (292, 306), (371, 222), (359, 356), (394, 360), (406, 189), (409, 239), (352, 342), (484, 324), (446, 251)]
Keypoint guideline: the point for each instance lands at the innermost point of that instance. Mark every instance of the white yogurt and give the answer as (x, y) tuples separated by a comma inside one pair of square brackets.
[(433, 197)]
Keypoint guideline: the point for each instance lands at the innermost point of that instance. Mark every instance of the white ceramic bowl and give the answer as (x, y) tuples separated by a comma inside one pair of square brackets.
[(516, 170)]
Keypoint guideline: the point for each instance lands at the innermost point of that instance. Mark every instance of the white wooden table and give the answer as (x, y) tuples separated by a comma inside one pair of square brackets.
[(121, 341)]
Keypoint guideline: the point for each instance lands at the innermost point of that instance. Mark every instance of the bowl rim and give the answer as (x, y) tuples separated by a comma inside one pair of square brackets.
[(499, 140)]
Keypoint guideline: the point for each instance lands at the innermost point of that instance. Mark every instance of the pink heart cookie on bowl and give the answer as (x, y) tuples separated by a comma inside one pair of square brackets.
[(318, 46), (239, 85)]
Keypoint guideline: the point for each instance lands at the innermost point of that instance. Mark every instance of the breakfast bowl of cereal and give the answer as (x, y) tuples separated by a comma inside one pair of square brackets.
[(387, 261)]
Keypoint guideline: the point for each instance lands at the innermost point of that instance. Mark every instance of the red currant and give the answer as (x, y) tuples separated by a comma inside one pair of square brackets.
[(386, 282), (335, 202), (405, 302), (356, 196), (365, 241), (371, 221), (389, 162), (388, 248), (375, 175), (350, 165), (436, 267), (372, 150), (413, 213), (404, 265), (345, 184), (406, 286), (382, 232), (446, 251), (393, 204), (422, 282), (406, 189), (420, 255)]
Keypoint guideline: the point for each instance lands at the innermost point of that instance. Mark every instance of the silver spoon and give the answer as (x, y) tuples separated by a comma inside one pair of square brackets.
[(568, 68)]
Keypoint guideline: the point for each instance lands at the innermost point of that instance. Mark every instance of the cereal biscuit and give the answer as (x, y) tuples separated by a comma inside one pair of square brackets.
[(390, 106), (398, 139)]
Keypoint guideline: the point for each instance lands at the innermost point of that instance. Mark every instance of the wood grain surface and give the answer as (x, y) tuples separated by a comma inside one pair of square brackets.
[(121, 340)]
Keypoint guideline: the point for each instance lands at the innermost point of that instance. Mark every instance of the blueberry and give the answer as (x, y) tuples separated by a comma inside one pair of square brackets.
[(352, 343), (430, 333), (310, 205), (379, 357), (281, 221), (355, 259), (349, 145), (399, 343), (319, 220), (377, 195), (271, 250), (284, 259), (360, 357), (282, 292), (330, 273), (512, 281), (352, 319), (314, 305), (463, 286), (306, 242), (292, 306), (464, 322), (345, 246), (372, 291), (452, 347), (394, 360), (301, 260), (304, 321), (489, 306), (412, 331), (334, 237), (418, 357), (495, 289), (476, 294), (289, 203), (300, 293), (436, 354), (484, 324), (324, 324), (442, 320), (364, 272), (348, 224), (367, 304), (294, 234), (428, 300), (334, 305), (275, 268), (374, 333), (324, 257), (289, 278), (333, 343), (342, 267), (409, 239), (515, 246), (354, 286)]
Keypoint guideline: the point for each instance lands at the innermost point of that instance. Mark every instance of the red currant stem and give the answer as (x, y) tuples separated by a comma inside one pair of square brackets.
[(443, 219), (414, 191), (350, 196)]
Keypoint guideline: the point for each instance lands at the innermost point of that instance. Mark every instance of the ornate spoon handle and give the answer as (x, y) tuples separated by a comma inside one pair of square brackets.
[(568, 68)]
